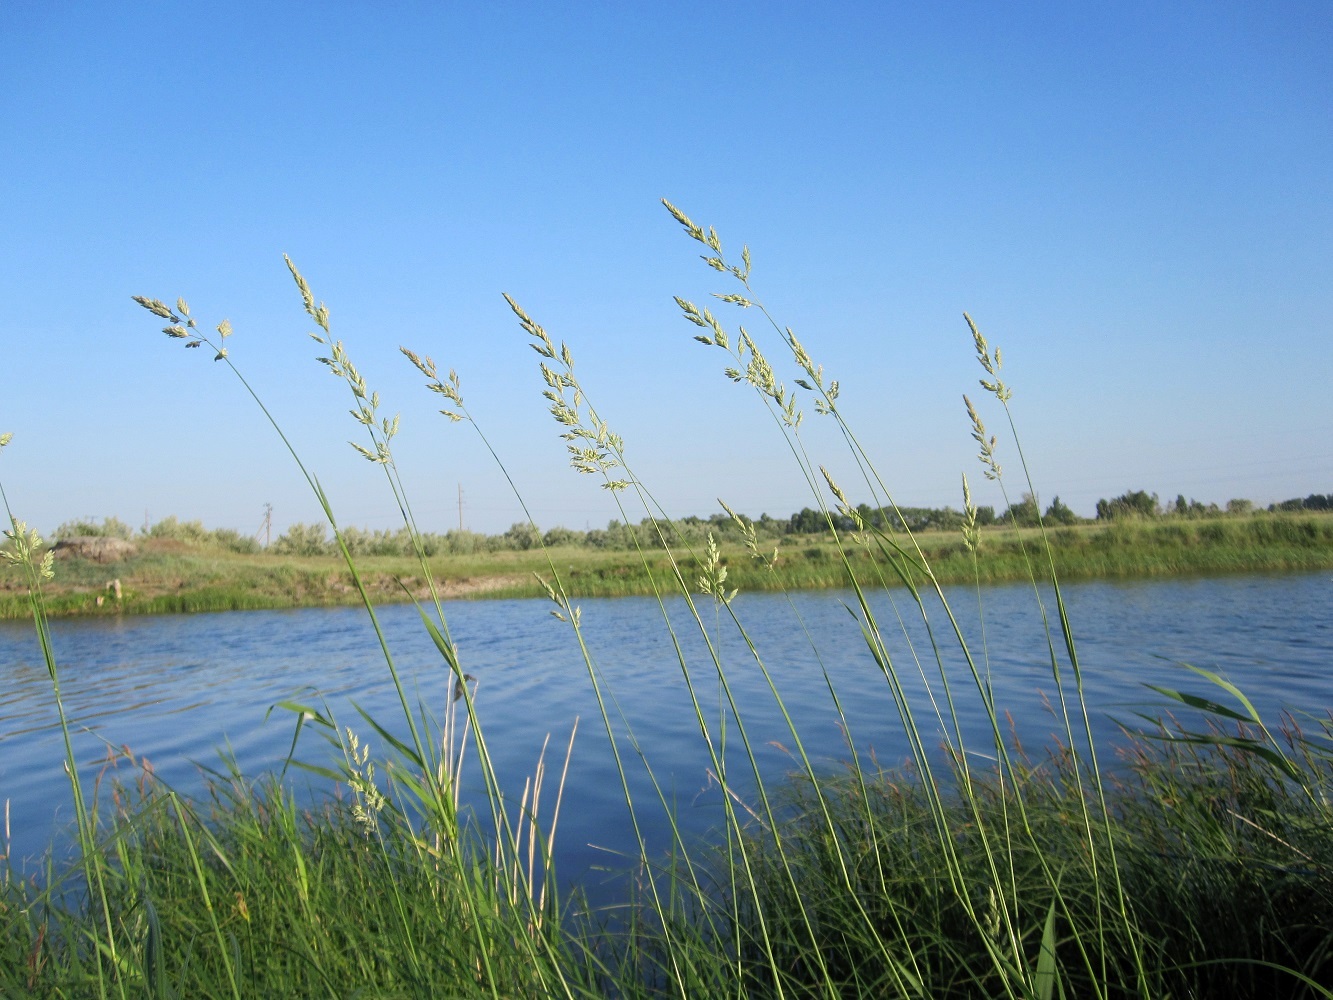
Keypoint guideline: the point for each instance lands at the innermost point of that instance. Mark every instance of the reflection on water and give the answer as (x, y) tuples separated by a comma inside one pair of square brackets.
[(176, 689)]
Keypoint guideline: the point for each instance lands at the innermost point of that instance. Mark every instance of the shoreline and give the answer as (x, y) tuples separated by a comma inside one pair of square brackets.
[(172, 578)]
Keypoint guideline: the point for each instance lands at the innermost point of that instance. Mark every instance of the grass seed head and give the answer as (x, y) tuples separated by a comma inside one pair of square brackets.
[(157, 307), (306, 296), (971, 534), (713, 574), (990, 362), (987, 452), (694, 231)]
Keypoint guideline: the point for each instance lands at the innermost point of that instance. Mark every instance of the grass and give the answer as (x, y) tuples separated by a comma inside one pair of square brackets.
[(286, 901), (1199, 864), (1222, 905), (300, 893), (171, 576)]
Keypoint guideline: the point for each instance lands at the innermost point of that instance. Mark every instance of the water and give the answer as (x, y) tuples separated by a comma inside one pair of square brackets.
[(176, 689)]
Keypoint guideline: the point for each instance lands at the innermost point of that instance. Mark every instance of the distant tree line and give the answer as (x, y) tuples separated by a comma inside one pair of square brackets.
[(1315, 501), (315, 539), (1143, 505)]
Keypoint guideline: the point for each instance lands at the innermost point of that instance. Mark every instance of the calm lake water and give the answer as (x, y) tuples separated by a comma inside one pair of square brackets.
[(177, 688)]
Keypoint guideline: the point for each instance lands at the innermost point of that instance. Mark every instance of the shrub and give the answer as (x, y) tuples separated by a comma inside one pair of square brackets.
[(177, 530), (562, 536), (302, 540), (521, 535), (111, 527), (233, 541)]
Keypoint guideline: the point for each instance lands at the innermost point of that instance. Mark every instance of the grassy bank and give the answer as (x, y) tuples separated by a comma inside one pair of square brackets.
[(313, 901), (1219, 906), (171, 576), (1199, 865)]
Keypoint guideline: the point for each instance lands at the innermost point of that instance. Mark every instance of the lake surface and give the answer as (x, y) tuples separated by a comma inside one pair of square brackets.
[(175, 689)]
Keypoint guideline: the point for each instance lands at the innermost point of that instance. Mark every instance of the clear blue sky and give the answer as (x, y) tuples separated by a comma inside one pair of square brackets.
[(1133, 200)]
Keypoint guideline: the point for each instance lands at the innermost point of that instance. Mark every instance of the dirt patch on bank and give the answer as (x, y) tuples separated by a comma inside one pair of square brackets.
[(468, 586)]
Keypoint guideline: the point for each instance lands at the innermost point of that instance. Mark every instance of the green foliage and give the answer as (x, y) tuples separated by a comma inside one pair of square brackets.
[(181, 531), (302, 540), (1059, 513), (110, 527), (194, 533), (811, 522), (365, 542), (562, 536), (1134, 503), (1026, 513), (465, 543), (1223, 907), (522, 536), (302, 899), (910, 519), (234, 541), (1315, 501)]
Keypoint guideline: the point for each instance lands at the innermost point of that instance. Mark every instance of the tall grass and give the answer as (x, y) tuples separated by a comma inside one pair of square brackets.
[(974, 869)]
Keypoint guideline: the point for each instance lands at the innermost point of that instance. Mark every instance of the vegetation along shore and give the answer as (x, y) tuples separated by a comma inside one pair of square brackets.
[(179, 566)]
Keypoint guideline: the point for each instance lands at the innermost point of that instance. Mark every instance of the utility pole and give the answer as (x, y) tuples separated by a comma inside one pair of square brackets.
[(460, 507), (266, 525)]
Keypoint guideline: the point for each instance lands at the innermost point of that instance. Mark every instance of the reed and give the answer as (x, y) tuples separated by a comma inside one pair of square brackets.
[(974, 869)]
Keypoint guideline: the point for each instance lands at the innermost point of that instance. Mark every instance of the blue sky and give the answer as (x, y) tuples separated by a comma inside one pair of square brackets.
[(1132, 200)]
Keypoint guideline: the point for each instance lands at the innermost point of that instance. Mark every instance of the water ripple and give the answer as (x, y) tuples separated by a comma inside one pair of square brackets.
[(177, 688)]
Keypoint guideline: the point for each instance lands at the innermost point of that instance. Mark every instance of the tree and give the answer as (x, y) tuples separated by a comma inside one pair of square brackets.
[(1134, 503), (1059, 513), (947, 519), (807, 522), (1025, 512), (1315, 501)]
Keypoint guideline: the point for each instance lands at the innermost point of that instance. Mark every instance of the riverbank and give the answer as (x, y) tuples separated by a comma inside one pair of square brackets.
[(170, 576)]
